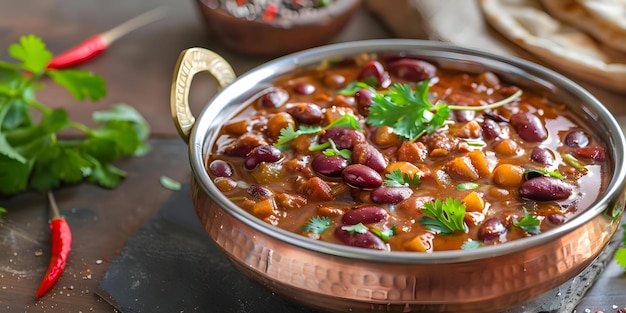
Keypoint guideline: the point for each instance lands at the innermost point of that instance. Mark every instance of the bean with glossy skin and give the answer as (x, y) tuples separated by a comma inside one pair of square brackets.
[(304, 89), (361, 176), (576, 139), (390, 195), (412, 69), (307, 113), (545, 189), (264, 153), (366, 154), (595, 153), (331, 166), (365, 215), (373, 74), (274, 98), (360, 240), (491, 129), (344, 138), (491, 230), (221, 168), (529, 127), (541, 156), (259, 192), (363, 98)]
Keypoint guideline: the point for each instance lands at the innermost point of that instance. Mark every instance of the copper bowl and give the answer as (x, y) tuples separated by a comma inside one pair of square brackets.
[(337, 278), (253, 35)]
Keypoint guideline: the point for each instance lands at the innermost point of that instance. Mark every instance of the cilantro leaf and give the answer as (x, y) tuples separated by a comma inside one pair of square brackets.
[(529, 223), (620, 257), (535, 172), (32, 51), (398, 179), (289, 133), (356, 229), (317, 225), (169, 183), (444, 216), (353, 87), (81, 84), (330, 149), (385, 233), (14, 175), (471, 244), (467, 186), (347, 120), (106, 175)]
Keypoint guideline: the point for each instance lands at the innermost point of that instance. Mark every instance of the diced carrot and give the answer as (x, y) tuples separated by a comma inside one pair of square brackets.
[(385, 137), (290, 202), (404, 167), (279, 121), (420, 243), (474, 202), (479, 161), (237, 128), (264, 208), (316, 188), (471, 129), (508, 175), (461, 168), (507, 147), (412, 152)]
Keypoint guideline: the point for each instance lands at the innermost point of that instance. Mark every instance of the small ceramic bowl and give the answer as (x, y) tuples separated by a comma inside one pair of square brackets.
[(272, 30)]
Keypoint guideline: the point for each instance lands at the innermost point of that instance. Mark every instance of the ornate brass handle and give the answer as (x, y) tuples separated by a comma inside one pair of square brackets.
[(190, 62)]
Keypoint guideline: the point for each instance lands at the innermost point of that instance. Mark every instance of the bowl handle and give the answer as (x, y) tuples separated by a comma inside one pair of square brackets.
[(190, 62)]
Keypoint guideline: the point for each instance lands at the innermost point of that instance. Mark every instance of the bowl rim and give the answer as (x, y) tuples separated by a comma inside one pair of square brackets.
[(616, 144)]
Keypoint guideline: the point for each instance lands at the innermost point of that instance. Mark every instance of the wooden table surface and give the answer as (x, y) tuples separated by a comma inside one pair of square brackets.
[(138, 70)]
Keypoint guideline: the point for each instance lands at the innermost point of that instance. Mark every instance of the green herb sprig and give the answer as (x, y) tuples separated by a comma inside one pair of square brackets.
[(330, 149), (444, 217), (398, 179), (317, 225), (289, 133), (529, 223)]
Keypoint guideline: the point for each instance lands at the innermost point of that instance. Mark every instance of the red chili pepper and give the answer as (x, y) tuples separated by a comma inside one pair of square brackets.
[(97, 44), (61, 245)]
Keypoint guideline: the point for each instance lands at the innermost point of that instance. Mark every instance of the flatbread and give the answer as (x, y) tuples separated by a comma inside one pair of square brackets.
[(566, 48), (605, 20)]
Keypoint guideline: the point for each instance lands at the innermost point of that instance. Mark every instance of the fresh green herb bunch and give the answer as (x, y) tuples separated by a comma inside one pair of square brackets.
[(32, 156)]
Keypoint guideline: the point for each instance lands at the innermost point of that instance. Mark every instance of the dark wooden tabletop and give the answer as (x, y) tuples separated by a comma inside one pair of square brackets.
[(138, 70)]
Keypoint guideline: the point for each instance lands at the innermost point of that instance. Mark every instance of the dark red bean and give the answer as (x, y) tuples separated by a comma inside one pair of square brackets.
[(221, 168), (361, 240), (491, 229), (366, 154), (307, 113), (361, 176), (344, 138), (556, 218), (463, 115), (528, 127), (576, 139), (373, 74), (264, 153), (259, 192), (545, 189), (412, 69), (541, 156), (334, 80), (304, 89), (365, 215), (274, 98), (390, 195), (595, 153), (491, 129), (363, 98), (331, 166)]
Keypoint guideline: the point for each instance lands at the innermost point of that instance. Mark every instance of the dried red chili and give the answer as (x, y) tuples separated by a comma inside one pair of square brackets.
[(61, 246)]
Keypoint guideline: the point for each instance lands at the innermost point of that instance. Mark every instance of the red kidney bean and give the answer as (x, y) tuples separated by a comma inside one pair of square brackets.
[(373, 74), (366, 154), (361, 176), (365, 215), (221, 168), (331, 166), (274, 98), (491, 129), (556, 218), (259, 192), (344, 138), (304, 89), (363, 98), (412, 69), (541, 156), (545, 189), (264, 153), (491, 229), (595, 153), (307, 113), (463, 115), (360, 240), (576, 139), (390, 195), (243, 145), (334, 80), (529, 127)]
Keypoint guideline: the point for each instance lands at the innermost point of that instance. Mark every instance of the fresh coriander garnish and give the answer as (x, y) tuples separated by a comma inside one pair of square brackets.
[(573, 161), (347, 120), (529, 223), (471, 244), (317, 225), (620, 255), (397, 179), (356, 229), (289, 133), (385, 233), (535, 172), (467, 186), (170, 183), (444, 216), (330, 149), (411, 114), (353, 87)]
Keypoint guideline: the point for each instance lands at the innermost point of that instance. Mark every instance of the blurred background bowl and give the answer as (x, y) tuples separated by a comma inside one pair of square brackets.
[(273, 28)]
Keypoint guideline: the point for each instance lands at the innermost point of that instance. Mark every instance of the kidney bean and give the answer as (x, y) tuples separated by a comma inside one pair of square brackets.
[(491, 129), (344, 138), (528, 127), (412, 69), (361, 176), (545, 189), (331, 166), (307, 113), (221, 168), (334, 80), (491, 229), (259, 192), (366, 154), (576, 139), (360, 240), (365, 215), (304, 89), (274, 98), (595, 153), (541, 156), (373, 74), (556, 218), (243, 145), (363, 98), (264, 153), (463, 115), (390, 195)]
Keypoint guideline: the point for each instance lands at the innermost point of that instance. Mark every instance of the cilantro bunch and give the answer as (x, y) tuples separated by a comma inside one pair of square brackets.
[(32, 156)]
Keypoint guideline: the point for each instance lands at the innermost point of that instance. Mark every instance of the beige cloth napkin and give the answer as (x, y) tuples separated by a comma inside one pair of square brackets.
[(462, 22)]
